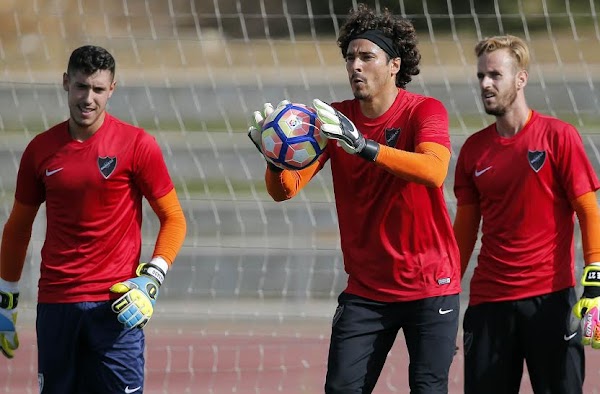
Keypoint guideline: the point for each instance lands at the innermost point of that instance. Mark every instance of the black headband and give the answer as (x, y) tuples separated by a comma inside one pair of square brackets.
[(381, 40)]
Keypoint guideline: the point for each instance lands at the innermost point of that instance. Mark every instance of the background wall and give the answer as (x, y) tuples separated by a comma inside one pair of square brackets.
[(247, 305)]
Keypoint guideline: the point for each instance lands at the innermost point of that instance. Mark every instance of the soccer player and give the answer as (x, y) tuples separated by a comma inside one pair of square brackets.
[(92, 171), (389, 151), (524, 177)]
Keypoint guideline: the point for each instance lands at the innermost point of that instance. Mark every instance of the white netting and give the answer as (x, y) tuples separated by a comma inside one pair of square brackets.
[(246, 307)]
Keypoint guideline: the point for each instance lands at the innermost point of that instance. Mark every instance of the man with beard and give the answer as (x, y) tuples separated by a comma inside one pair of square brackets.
[(524, 177), (389, 151)]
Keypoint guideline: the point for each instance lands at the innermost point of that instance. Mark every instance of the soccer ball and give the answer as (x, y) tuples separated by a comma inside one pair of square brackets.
[(291, 137)]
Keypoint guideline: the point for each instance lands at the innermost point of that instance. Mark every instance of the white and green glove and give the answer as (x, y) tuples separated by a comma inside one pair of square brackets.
[(136, 306), (586, 312), (338, 127), (9, 300), (255, 130)]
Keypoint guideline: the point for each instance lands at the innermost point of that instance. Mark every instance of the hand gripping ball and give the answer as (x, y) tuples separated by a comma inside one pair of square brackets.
[(291, 137)]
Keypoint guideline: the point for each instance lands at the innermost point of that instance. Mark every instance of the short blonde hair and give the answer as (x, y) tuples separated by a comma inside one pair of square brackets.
[(517, 47)]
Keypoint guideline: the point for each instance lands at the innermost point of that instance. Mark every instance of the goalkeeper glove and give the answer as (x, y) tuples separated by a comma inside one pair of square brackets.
[(338, 127), (254, 131), (136, 306), (9, 299), (586, 312)]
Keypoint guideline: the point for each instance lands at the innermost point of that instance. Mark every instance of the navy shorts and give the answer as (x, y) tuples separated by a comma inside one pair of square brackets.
[(364, 331), (500, 336), (83, 349)]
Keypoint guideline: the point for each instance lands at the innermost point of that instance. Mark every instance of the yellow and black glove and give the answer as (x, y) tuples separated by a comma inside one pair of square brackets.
[(586, 311), (9, 299), (136, 306)]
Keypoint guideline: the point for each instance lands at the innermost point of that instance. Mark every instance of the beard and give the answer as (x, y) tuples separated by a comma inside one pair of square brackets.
[(360, 95), (503, 102)]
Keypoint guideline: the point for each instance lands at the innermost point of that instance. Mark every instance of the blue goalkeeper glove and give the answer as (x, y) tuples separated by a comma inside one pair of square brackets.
[(255, 130), (136, 306), (9, 299), (586, 312), (335, 125)]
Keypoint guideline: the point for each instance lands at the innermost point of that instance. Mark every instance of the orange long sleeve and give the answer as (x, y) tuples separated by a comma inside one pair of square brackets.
[(466, 228), (286, 184), (171, 235), (428, 165), (586, 208), (15, 240)]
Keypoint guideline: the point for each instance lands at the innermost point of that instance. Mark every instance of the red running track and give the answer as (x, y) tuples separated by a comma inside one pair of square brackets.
[(222, 360)]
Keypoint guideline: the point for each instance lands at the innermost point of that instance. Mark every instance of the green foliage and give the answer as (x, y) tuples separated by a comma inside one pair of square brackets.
[(480, 17)]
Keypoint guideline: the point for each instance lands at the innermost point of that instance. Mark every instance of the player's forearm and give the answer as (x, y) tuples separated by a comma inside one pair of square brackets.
[(12, 256), (588, 214), (173, 226), (428, 165), (283, 185), (15, 240), (466, 228)]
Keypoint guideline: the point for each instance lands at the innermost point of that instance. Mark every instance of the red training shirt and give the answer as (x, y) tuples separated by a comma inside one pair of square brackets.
[(396, 236), (523, 186), (93, 192)]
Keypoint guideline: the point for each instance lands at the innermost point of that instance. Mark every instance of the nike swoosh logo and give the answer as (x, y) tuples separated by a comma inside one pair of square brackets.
[(444, 311), (52, 172), (128, 390), (478, 173), (569, 337)]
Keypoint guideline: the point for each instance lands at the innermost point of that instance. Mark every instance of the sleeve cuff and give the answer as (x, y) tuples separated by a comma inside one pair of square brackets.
[(9, 287), (160, 263)]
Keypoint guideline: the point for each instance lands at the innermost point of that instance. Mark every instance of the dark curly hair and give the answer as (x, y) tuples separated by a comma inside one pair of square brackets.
[(400, 30), (90, 58)]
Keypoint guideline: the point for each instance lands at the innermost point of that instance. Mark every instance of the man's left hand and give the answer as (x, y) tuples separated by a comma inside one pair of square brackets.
[(9, 300), (338, 127), (586, 312), (335, 125), (136, 306)]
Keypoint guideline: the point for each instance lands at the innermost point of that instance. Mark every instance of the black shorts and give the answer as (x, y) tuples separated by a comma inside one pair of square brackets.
[(364, 331), (500, 336), (82, 348)]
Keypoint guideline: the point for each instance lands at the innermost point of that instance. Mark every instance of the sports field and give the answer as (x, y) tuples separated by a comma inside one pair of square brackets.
[(247, 306), (242, 356)]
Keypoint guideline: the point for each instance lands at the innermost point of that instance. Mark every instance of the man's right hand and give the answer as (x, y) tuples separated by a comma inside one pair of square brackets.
[(9, 299), (255, 130)]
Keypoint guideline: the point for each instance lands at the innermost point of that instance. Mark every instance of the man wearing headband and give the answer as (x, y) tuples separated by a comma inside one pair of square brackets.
[(389, 151)]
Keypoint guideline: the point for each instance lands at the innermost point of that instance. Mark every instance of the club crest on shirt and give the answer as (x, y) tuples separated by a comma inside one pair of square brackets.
[(391, 136), (536, 159), (107, 165)]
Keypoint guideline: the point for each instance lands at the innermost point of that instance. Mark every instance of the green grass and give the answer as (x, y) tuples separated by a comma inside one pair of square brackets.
[(220, 187), (586, 123), (227, 190)]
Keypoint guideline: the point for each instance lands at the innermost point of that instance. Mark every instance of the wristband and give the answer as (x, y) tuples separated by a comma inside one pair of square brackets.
[(9, 300), (591, 275), (370, 150), (591, 280), (152, 271)]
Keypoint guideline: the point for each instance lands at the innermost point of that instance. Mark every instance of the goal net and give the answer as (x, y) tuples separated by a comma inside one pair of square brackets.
[(247, 306)]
